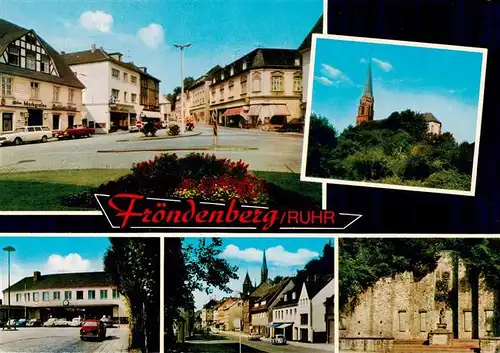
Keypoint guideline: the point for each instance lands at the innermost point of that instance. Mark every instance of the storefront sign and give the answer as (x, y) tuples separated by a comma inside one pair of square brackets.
[(63, 107), (29, 104)]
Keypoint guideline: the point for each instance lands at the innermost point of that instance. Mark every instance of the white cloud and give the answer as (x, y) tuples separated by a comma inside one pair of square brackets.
[(69, 263), (277, 255), (334, 75), (96, 20), (152, 35), (363, 61), (324, 80), (383, 65)]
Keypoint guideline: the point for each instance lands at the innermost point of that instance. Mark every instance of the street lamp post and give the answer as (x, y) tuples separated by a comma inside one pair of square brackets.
[(181, 48), (9, 249)]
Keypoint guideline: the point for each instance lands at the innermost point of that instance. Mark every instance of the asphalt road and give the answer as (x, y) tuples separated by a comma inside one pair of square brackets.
[(61, 340), (266, 346), (274, 152)]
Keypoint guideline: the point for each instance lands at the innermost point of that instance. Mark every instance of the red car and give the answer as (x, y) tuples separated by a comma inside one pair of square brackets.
[(77, 131), (93, 329)]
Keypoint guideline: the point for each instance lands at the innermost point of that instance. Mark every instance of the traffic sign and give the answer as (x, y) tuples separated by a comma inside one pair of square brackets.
[(138, 124)]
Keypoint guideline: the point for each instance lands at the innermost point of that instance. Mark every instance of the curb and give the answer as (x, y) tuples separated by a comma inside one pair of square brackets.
[(160, 138), (194, 149)]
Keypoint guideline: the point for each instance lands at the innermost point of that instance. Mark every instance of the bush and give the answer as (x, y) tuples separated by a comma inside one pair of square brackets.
[(149, 129), (173, 130)]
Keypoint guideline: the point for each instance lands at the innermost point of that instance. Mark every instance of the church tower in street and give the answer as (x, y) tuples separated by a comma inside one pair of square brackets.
[(263, 271), (366, 103)]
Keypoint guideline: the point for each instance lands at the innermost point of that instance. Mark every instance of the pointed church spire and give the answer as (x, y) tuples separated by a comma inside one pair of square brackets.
[(368, 91), (263, 271)]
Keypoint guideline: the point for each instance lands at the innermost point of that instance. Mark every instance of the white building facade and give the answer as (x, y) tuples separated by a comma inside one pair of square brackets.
[(311, 310), (112, 99), (68, 295)]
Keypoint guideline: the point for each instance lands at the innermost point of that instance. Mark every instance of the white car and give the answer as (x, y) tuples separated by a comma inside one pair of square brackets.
[(76, 322), (61, 322), (26, 134), (50, 322)]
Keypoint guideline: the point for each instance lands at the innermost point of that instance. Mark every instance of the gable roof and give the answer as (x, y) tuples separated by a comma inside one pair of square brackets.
[(100, 55), (63, 280), (9, 32), (306, 43), (429, 117), (257, 59), (271, 294), (314, 287), (289, 301)]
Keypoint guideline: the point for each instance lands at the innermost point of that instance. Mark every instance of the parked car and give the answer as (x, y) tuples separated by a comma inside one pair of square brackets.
[(76, 322), (93, 329), (21, 322), (26, 134), (254, 337), (34, 323), (61, 323), (50, 322), (107, 321), (75, 131), (278, 340)]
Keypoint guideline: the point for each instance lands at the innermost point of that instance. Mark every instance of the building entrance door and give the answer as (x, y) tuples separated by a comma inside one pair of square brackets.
[(55, 121), (7, 122)]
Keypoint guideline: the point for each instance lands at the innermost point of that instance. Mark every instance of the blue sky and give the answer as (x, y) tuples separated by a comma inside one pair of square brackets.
[(144, 31), (284, 257), (444, 82), (51, 255)]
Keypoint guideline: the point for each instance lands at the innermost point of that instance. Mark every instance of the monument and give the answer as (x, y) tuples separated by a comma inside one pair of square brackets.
[(440, 336)]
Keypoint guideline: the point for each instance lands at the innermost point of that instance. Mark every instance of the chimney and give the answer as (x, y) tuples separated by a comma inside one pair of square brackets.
[(92, 48), (144, 69), (36, 276)]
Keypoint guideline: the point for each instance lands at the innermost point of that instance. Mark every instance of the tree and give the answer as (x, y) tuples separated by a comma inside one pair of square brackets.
[(191, 268), (324, 265), (188, 82), (133, 265), (277, 279), (322, 140)]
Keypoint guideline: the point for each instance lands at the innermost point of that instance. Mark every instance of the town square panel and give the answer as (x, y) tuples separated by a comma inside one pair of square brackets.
[(395, 114), (86, 101)]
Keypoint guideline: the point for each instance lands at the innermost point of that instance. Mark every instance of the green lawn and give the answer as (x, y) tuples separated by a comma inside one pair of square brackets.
[(43, 190)]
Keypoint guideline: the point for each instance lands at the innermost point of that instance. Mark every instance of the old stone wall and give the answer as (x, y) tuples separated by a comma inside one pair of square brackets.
[(407, 308)]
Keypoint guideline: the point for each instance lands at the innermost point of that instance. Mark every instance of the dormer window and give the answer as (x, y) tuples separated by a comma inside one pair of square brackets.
[(244, 65), (263, 302), (231, 72), (285, 297), (213, 81), (297, 62), (293, 296)]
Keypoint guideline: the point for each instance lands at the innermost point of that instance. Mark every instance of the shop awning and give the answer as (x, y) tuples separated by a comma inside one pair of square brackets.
[(275, 324), (241, 111), (233, 111), (279, 109), (254, 110), (284, 326)]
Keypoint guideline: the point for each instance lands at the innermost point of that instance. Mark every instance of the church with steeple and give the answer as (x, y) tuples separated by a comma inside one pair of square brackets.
[(248, 287), (366, 107), (367, 102)]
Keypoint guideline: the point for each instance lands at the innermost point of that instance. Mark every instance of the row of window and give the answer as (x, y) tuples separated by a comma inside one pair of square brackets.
[(303, 302), (68, 295), (277, 85), (284, 313), (116, 74), (244, 67), (115, 93), (7, 87)]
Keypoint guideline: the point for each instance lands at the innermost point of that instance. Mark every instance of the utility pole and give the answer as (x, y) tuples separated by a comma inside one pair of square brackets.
[(181, 48)]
